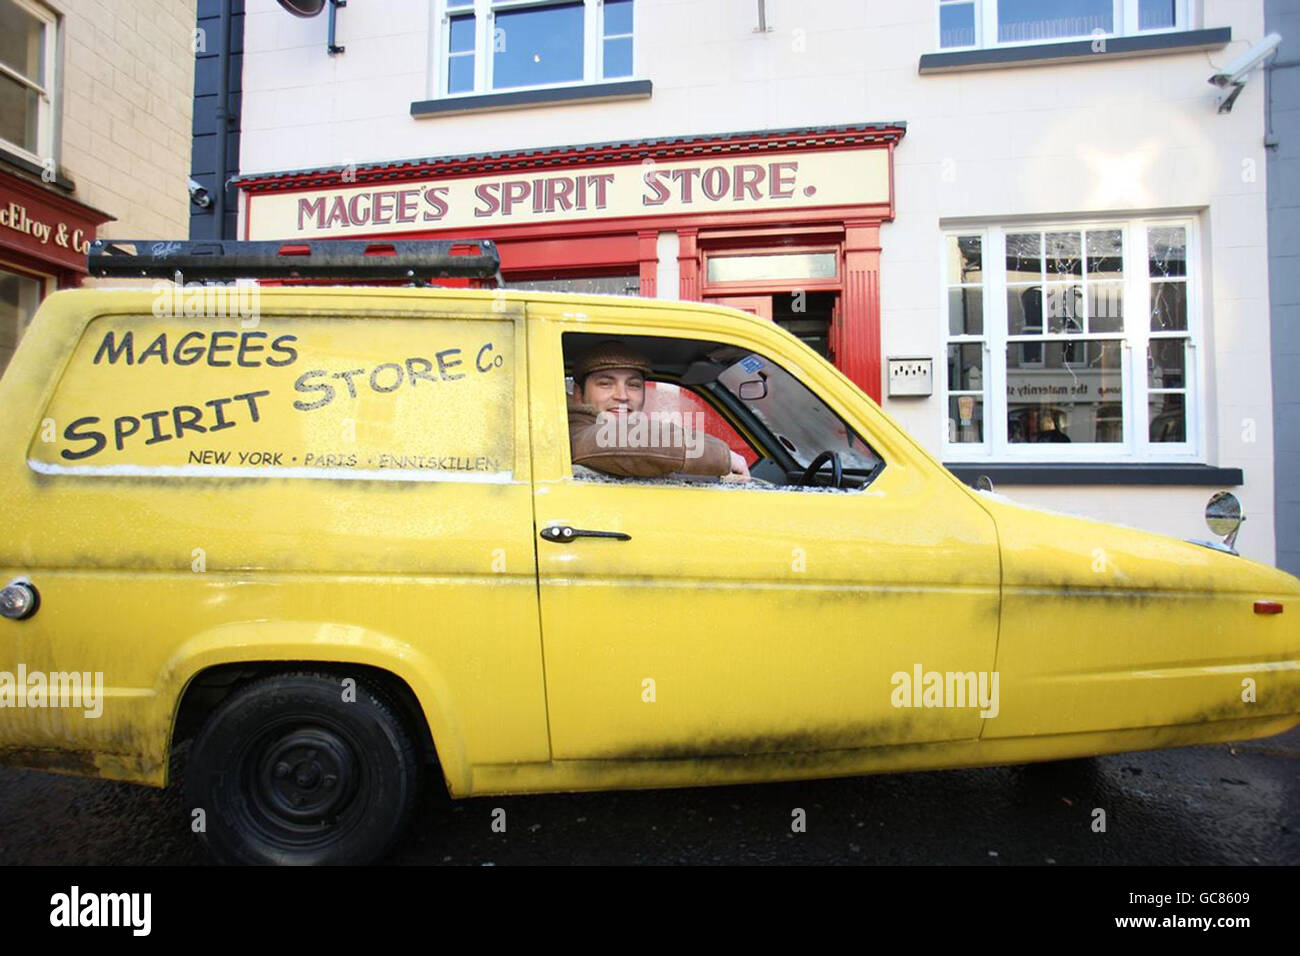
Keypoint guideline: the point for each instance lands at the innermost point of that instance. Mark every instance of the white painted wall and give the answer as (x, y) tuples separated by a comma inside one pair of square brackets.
[(1120, 137)]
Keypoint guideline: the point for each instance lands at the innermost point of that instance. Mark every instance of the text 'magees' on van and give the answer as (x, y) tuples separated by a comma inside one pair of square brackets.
[(308, 542)]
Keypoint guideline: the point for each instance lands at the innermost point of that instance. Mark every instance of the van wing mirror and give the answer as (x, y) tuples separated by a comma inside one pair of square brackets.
[(1224, 517)]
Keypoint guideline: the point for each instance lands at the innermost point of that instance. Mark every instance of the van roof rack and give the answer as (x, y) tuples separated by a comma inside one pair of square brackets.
[(211, 260)]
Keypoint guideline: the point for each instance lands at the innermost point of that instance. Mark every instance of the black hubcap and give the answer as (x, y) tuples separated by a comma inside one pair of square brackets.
[(306, 776)]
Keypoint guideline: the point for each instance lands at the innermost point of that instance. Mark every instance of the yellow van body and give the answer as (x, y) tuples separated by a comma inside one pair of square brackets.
[(358, 478)]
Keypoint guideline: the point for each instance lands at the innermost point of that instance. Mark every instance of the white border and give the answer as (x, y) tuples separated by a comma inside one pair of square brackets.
[(218, 471)]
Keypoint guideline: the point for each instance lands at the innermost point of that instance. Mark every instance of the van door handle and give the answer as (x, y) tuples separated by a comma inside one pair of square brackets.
[(563, 534)]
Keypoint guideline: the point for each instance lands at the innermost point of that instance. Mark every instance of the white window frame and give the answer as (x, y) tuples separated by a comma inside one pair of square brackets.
[(484, 12), (1124, 16), (1136, 335), (47, 92)]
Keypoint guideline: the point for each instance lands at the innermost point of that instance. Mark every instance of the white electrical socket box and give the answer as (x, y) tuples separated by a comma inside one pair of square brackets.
[(911, 376)]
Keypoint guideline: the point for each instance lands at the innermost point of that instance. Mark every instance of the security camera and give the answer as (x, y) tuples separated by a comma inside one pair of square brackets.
[(1232, 78), (199, 196)]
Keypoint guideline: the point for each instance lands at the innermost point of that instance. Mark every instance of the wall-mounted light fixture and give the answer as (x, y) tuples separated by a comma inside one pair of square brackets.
[(310, 8)]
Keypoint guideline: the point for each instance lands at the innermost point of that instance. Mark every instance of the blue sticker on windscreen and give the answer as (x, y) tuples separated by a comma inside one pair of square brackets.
[(751, 364)]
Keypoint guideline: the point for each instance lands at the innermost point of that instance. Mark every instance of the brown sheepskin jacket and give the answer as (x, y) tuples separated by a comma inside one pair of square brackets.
[(596, 445)]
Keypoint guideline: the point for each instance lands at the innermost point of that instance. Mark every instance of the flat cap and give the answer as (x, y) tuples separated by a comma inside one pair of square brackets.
[(611, 354)]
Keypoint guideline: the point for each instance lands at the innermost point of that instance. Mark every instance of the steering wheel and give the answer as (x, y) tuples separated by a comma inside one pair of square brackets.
[(814, 466)]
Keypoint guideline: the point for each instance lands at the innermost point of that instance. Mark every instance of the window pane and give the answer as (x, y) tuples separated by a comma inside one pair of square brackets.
[(966, 367), (1167, 415), (537, 45), (966, 311), (19, 111), (618, 17), (1168, 306), (965, 418), (1167, 363), (462, 35), (1106, 307), (1155, 14), (1031, 354), (1020, 21), (22, 42), (1024, 256), (460, 74), (795, 265), (965, 259), (460, 3), (1066, 354), (1167, 252), (1064, 254), (1025, 310), (1065, 308), (618, 57), (1076, 396), (957, 24), (1106, 254)]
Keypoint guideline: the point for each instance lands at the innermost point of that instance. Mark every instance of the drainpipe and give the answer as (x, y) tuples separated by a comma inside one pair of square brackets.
[(223, 121)]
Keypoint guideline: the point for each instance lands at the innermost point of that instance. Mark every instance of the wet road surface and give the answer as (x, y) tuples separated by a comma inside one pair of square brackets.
[(1220, 804)]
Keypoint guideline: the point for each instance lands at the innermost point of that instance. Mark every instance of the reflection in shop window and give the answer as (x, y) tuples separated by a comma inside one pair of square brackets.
[(1074, 366), (19, 297), (1169, 337), (967, 344)]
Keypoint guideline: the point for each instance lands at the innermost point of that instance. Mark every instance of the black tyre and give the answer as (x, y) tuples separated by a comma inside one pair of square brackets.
[(287, 771)]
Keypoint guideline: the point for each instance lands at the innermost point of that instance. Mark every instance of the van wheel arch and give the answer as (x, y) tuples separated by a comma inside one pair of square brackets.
[(209, 687)]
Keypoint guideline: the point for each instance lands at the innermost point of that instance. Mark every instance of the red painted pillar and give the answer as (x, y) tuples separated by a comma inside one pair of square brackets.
[(688, 262), (647, 244), (858, 340)]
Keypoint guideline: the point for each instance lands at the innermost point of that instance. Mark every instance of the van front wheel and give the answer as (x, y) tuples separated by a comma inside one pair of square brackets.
[(302, 769)]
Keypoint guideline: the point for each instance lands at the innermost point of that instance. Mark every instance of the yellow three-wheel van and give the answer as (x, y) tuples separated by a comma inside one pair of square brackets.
[(318, 539)]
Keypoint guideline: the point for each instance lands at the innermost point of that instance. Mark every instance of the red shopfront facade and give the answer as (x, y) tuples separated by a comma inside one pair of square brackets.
[(785, 224)]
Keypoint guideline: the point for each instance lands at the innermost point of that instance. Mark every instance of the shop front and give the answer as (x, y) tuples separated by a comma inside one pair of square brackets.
[(44, 237), (784, 224)]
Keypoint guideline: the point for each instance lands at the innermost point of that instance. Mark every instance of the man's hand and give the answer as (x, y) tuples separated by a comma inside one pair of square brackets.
[(739, 470)]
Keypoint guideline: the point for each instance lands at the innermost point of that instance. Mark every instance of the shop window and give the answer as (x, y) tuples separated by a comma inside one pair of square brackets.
[(987, 23), (1071, 341), (19, 297), (27, 58), (497, 45)]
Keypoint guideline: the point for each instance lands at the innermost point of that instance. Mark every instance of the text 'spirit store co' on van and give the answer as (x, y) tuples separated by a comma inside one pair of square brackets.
[(784, 224)]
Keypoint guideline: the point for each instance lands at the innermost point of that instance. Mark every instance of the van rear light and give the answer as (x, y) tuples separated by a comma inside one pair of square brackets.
[(1268, 607)]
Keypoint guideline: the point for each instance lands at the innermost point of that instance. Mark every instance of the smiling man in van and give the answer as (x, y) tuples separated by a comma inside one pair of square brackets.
[(609, 383)]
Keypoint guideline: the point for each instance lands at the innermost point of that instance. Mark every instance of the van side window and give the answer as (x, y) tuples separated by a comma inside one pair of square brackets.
[(677, 410)]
